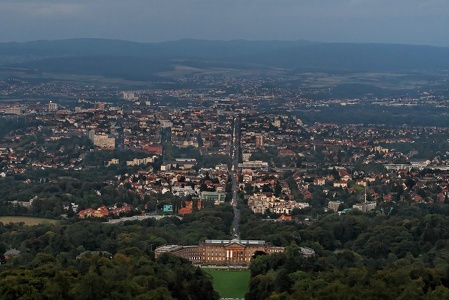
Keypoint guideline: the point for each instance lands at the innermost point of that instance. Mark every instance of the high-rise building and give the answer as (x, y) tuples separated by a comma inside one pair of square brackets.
[(52, 106), (129, 95), (91, 135), (102, 140), (259, 141)]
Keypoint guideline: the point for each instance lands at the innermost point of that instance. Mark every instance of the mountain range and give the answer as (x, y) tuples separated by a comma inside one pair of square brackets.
[(132, 60)]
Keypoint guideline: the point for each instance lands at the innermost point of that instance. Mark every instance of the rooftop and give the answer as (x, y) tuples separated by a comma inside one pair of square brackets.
[(249, 242)]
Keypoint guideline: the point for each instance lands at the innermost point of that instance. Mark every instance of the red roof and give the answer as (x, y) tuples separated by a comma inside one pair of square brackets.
[(157, 149), (286, 152), (284, 217), (185, 211)]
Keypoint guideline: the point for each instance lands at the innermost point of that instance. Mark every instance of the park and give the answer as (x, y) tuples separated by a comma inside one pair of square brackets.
[(229, 283)]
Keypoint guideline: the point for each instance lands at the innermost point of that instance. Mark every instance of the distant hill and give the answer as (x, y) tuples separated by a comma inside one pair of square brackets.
[(176, 49), (142, 60), (363, 57), (126, 67)]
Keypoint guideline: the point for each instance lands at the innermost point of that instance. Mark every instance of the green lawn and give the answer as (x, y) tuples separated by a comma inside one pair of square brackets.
[(27, 220), (230, 284)]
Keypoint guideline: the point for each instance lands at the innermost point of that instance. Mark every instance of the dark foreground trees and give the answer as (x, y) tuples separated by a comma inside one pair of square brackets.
[(94, 260), (359, 256), (130, 275)]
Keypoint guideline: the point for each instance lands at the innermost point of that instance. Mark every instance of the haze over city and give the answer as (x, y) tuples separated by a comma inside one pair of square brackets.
[(396, 21), (232, 149)]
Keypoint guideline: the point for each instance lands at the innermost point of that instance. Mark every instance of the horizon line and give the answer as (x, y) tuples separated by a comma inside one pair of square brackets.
[(219, 40)]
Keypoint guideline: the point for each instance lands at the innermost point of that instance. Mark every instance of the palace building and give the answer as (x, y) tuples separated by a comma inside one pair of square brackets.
[(220, 252)]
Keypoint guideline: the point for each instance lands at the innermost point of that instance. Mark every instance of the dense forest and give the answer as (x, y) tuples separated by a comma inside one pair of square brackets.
[(400, 255), (94, 260), (127, 275)]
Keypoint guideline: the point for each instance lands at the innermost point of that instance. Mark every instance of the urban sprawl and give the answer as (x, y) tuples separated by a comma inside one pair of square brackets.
[(182, 142)]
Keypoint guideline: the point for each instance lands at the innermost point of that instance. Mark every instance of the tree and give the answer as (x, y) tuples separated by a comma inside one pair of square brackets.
[(261, 286), (277, 189)]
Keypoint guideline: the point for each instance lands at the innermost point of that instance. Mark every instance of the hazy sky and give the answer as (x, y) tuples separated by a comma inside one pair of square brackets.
[(387, 21)]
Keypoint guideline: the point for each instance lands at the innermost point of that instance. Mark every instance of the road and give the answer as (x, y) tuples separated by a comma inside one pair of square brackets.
[(234, 176)]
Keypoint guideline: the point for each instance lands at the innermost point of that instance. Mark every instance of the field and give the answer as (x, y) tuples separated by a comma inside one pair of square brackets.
[(230, 283), (27, 220)]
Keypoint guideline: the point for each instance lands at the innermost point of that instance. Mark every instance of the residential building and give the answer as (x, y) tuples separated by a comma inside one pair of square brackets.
[(366, 206), (334, 205), (215, 197)]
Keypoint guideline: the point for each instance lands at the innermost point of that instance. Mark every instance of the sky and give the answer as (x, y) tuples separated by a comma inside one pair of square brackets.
[(375, 21)]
